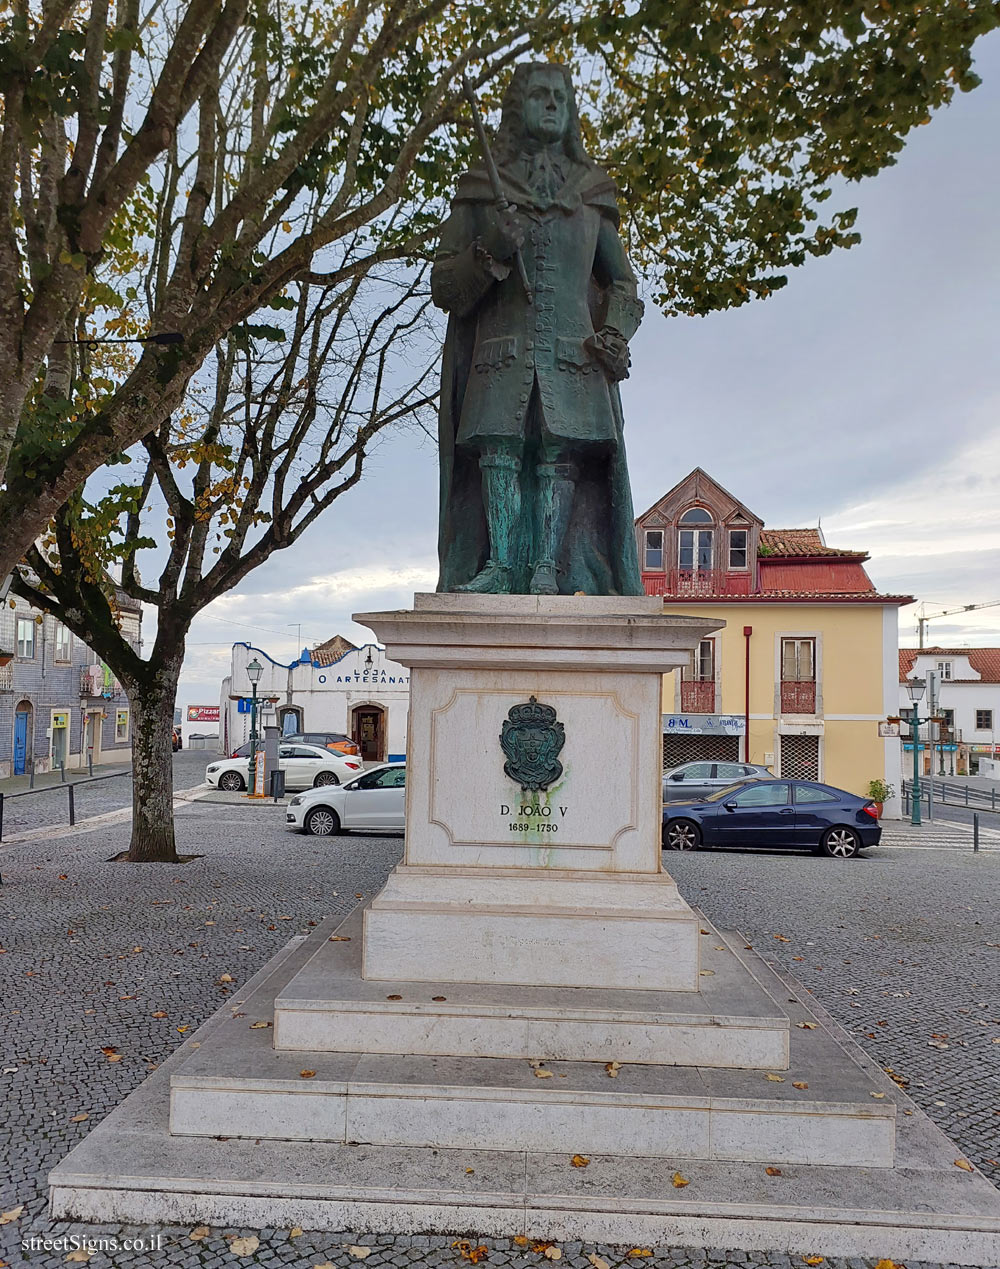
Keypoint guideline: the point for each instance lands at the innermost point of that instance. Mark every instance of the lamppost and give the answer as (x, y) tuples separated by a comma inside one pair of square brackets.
[(254, 671), (915, 689)]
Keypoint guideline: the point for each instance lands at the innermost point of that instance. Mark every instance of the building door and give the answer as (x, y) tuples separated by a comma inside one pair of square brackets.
[(678, 749), (22, 737), (800, 757), (289, 720), (368, 731), (92, 738)]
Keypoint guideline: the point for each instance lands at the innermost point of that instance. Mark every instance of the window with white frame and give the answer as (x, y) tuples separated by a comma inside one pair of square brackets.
[(653, 550), (121, 726), (703, 662), (798, 660), (984, 720), (944, 669), (26, 638), (64, 643), (695, 546), (738, 545)]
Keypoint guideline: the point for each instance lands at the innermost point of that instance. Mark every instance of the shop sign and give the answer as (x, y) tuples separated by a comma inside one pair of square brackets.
[(60, 720), (203, 713), (704, 725)]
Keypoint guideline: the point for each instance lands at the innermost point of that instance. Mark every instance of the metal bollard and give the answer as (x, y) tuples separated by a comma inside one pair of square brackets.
[(90, 764), (1, 817), (975, 831), (72, 804), (31, 775), (62, 772)]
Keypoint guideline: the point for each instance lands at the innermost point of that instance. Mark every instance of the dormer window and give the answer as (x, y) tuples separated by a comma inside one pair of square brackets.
[(944, 669), (738, 547), (695, 545), (653, 551)]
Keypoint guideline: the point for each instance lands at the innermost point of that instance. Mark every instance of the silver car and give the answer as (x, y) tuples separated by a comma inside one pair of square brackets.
[(692, 780)]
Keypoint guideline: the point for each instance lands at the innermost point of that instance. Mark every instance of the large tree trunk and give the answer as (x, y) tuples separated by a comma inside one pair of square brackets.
[(152, 701)]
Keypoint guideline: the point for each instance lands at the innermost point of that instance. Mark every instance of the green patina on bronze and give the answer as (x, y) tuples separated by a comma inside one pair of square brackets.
[(532, 739), (535, 496)]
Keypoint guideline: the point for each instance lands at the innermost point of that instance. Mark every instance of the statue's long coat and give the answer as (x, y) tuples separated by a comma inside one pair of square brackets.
[(516, 370)]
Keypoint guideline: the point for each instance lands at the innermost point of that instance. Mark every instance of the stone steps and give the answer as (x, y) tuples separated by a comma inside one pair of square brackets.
[(732, 1021)]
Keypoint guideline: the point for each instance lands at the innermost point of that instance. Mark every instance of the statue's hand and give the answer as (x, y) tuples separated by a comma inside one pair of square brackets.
[(503, 235), (611, 350)]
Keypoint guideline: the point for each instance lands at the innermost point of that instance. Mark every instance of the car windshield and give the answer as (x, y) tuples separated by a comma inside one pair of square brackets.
[(721, 794)]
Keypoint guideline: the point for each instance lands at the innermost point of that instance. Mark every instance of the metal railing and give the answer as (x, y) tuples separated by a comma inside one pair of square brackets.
[(704, 581), (6, 678), (798, 697), (950, 793), (69, 785), (698, 696)]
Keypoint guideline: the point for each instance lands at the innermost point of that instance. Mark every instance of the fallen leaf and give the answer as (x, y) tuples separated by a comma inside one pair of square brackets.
[(306, 1075), (255, 1025), (394, 997), (773, 1172), (877, 1096), (295, 1232), (468, 1252), (327, 1264), (108, 1050), (80, 1256), (160, 1013), (78, 1119), (889, 1264), (520, 1240), (12, 1215), (470, 1171), (339, 938), (679, 1181), (186, 1027), (707, 973), (597, 1262), (639, 1251), (720, 948), (540, 1246), (579, 1161), (964, 1164), (776, 1079), (542, 1074), (244, 1246), (114, 1057), (198, 1233), (225, 978), (552, 1253), (799, 1084), (812, 1260), (359, 1253), (807, 1026), (612, 1069), (782, 939)]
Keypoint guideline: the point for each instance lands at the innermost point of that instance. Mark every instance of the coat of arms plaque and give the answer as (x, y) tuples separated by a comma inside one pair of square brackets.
[(532, 739)]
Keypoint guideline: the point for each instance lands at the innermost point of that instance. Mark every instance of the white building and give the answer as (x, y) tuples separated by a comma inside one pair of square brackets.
[(968, 701), (335, 687)]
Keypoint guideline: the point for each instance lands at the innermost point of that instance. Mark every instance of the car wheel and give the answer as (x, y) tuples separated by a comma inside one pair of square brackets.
[(325, 777), (840, 842), (231, 781), (322, 822), (681, 835)]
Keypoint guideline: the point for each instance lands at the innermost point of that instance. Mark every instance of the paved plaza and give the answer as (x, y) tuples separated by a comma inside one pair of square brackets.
[(105, 969)]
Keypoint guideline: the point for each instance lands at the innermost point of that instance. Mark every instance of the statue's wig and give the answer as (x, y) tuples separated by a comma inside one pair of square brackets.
[(511, 137)]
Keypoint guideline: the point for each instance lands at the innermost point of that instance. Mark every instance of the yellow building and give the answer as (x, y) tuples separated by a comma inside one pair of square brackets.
[(806, 668)]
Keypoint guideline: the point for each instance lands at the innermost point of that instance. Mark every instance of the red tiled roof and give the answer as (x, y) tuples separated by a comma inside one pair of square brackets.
[(793, 543), (985, 661)]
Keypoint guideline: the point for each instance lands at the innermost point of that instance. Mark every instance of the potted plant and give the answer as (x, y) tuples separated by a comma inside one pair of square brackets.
[(880, 793)]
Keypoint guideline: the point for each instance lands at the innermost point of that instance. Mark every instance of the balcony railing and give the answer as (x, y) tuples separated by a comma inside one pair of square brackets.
[(697, 697), (798, 697), (707, 581), (6, 678)]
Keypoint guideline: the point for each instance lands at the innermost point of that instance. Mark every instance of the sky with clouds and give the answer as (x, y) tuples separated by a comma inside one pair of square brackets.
[(865, 395)]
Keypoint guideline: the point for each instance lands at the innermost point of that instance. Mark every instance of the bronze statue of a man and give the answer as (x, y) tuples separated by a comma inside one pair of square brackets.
[(535, 496)]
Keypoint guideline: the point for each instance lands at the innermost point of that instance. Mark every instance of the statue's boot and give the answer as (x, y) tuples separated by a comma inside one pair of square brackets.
[(555, 493), (502, 502)]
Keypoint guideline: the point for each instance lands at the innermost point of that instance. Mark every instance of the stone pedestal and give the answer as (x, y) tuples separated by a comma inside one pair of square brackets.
[(560, 886)]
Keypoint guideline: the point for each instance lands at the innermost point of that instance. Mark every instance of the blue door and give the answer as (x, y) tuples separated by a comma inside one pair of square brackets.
[(759, 815), (20, 743)]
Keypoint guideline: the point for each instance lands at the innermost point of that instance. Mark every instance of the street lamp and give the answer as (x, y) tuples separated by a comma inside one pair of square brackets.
[(915, 689), (254, 671)]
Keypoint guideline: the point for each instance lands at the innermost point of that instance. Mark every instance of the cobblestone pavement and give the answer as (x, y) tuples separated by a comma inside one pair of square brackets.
[(900, 947), (47, 804)]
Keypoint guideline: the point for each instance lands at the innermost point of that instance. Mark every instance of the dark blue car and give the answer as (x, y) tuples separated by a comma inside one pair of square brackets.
[(796, 813)]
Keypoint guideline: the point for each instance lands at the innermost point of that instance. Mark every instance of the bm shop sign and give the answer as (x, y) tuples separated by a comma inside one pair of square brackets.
[(703, 725)]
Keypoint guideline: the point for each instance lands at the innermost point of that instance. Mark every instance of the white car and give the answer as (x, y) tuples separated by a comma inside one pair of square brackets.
[(374, 802), (304, 766)]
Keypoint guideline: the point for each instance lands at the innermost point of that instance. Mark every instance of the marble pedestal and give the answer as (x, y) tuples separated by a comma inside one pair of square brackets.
[(559, 887)]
